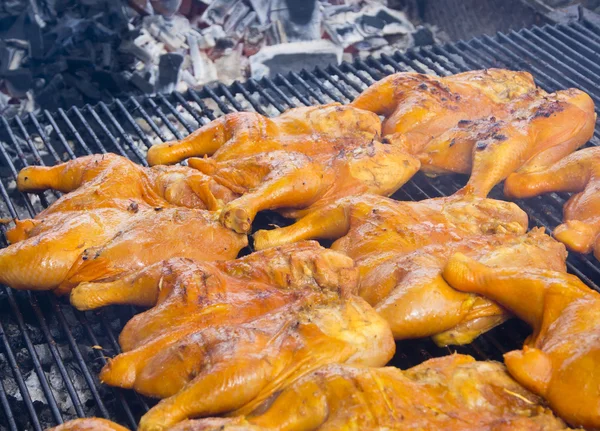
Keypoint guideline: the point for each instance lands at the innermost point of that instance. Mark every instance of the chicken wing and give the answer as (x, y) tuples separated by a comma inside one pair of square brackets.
[(89, 424), (579, 173), (449, 393), (487, 123), (400, 249), (560, 361), (300, 160), (63, 249)]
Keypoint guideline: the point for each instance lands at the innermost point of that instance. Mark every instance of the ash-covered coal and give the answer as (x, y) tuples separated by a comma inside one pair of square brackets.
[(59, 53)]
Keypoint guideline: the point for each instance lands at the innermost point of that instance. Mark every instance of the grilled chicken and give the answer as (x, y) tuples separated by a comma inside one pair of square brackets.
[(60, 250), (226, 334), (487, 123), (560, 361), (300, 160), (579, 173), (449, 393), (111, 181), (400, 249), (89, 424)]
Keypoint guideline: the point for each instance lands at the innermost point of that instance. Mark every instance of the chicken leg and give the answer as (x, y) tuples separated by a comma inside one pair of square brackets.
[(579, 173), (560, 360)]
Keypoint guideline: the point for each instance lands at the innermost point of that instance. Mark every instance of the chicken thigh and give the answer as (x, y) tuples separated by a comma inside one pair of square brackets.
[(296, 162), (560, 361), (487, 123), (448, 393)]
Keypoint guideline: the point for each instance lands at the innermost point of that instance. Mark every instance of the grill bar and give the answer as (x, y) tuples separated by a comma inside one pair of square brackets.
[(37, 391)]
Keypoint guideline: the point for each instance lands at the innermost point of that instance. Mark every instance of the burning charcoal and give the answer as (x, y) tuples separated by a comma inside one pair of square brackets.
[(218, 11), (237, 15), (130, 47), (294, 56), (347, 28), (301, 20), (262, 8), (168, 72)]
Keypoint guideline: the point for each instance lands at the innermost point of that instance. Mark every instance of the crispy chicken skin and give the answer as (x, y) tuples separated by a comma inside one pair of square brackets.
[(89, 424), (298, 161), (448, 393), (400, 249), (578, 173), (225, 334), (60, 250), (487, 123), (560, 361)]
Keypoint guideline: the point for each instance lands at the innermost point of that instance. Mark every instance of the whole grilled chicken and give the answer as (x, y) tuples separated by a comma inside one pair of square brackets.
[(62, 249), (400, 249), (225, 334), (448, 393), (111, 181), (579, 173), (487, 123), (89, 424), (298, 161), (560, 361)]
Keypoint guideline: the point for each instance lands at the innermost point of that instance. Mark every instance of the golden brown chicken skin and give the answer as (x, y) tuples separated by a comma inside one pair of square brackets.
[(63, 249), (487, 123), (89, 424), (400, 249), (223, 334), (449, 393), (300, 160), (578, 173), (560, 361)]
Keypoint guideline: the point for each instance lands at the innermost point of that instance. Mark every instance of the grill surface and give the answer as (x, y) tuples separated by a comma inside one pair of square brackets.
[(50, 354)]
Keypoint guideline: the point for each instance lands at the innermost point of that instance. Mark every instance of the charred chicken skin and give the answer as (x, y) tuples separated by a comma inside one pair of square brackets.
[(578, 173), (116, 217), (400, 249), (225, 335), (487, 123), (298, 161), (448, 393), (560, 361)]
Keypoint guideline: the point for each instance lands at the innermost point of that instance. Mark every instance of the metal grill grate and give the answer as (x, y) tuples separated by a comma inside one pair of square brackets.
[(50, 355)]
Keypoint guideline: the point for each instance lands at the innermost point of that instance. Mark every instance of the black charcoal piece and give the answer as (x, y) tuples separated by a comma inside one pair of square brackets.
[(138, 81), (423, 36), (20, 80), (113, 82), (168, 71)]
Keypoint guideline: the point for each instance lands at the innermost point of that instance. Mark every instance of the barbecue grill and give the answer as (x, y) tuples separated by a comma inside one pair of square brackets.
[(50, 354)]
